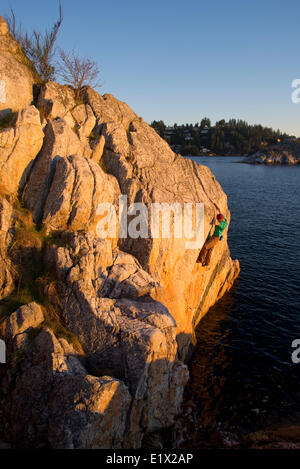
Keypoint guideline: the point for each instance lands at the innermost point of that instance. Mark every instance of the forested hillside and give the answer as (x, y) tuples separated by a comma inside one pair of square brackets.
[(235, 137)]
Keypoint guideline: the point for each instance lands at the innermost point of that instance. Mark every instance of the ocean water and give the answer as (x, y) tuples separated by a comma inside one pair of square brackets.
[(242, 375)]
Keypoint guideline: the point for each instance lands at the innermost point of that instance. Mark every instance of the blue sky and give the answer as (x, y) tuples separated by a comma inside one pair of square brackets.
[(182, 60)]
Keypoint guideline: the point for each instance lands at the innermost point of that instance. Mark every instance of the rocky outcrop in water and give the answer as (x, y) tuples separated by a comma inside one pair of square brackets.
[(283, 153), (96, 329)]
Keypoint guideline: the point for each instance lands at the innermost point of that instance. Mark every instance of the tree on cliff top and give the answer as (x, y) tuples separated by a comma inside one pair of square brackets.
[(39, 47), (77, 71)]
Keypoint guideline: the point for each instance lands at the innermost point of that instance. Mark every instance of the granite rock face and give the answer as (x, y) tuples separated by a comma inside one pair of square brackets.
[(95, 359), (56, 101), (59, 141), (26, 316), (123, 383)]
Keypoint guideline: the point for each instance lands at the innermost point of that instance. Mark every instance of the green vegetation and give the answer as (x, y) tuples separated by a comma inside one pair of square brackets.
[(235, 137), (35, 282), (102, 166)]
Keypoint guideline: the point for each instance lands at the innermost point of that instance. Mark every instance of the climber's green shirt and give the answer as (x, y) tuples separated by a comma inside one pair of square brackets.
[(220, 228)]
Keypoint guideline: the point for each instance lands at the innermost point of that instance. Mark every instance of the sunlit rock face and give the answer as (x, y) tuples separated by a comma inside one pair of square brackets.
[(17, 75), (148, 171), (97, 339), (105, 299)]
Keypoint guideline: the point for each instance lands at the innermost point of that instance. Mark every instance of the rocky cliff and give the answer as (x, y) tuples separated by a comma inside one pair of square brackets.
[(96, 329)]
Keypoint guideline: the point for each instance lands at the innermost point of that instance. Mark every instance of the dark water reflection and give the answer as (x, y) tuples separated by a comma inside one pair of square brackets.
[(242, 376)]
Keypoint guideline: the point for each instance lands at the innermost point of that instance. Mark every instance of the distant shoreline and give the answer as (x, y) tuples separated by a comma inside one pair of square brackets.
[(231, 138)]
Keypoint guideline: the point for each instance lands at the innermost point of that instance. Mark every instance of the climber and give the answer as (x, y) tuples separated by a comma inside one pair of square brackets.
[(206, 251)]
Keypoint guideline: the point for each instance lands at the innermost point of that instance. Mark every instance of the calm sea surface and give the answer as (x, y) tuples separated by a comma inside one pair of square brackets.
[(242, 376)]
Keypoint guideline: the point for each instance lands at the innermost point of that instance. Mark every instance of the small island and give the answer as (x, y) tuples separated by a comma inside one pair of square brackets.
[(286, 152)]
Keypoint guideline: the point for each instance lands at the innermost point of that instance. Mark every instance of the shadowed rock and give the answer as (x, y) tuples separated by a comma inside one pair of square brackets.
[(6, 268), (149, 171)]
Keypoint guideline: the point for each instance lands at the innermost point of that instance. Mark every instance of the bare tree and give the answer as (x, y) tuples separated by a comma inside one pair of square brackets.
[(15, 29), (77, 71), (39, 47)]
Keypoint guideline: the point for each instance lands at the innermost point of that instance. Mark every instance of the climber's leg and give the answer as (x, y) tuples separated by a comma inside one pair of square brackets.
[(203, 252), (209, 249)]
